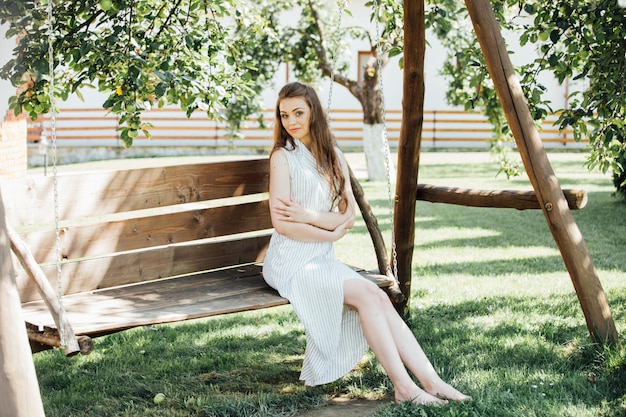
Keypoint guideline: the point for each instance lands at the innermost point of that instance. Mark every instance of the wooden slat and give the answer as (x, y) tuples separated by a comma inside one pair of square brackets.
[(89, 127), (31, 200), (156, 136), (81, 241), (150, 264), (459, 130), (160, 302)]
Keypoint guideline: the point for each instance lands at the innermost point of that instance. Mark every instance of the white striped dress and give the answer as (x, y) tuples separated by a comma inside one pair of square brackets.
[(309, 276)]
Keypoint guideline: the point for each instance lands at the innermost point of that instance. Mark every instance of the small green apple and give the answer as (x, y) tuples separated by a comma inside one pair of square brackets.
[(105, 4)]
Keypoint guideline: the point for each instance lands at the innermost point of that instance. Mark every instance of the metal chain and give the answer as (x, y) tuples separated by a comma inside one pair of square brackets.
[(342, 6), (333, 61), (394, 254), (53, 136)]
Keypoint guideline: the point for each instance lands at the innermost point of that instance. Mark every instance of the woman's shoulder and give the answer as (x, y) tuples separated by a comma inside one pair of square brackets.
[(279, 157), (286, 150), (278, 153)]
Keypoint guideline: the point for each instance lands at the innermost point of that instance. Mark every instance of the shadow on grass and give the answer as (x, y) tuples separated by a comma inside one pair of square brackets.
[(519, 356), (508, 228), (516, 356)]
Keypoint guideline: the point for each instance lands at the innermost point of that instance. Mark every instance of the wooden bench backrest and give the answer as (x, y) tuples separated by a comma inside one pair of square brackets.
[(129, 226)]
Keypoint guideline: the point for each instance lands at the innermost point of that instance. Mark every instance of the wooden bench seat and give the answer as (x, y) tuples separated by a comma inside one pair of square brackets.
[(146, 246), (169, 300)]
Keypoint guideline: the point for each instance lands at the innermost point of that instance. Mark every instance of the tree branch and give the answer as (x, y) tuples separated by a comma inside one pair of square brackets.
[(167, 20), (325, 66), (73, 31)]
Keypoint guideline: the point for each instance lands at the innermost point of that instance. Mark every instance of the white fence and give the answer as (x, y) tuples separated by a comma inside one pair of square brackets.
[(90, 127)]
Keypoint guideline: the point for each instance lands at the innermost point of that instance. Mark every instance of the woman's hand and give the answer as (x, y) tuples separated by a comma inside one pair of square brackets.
[(302, 221), (291, 211), (341, 230)]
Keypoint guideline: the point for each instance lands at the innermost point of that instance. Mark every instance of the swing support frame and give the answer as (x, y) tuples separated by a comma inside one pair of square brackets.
[(550, 196), (25, 399)]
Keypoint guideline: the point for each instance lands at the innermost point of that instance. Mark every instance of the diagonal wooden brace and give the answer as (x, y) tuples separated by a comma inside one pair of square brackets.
[(20, 249)]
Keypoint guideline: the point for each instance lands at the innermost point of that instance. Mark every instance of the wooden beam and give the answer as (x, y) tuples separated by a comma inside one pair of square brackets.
[(50, 338), (409, 144), (49, 296), (377, 239), (515, 199), (555, 208), (19, 390)]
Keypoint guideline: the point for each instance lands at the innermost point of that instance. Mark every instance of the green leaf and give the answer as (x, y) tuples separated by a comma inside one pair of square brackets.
[(555, 35), (395, 51), (530, 8), (160, 89)]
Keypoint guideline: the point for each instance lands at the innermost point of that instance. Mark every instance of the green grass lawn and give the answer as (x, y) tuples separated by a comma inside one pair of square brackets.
[(492, 305)]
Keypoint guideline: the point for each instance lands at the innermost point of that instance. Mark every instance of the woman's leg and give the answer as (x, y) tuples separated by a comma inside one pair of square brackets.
[(377, 304), (367, 300), (414, 357)]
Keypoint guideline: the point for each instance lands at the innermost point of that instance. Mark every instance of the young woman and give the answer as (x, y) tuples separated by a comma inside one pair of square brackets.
[(312, 206)]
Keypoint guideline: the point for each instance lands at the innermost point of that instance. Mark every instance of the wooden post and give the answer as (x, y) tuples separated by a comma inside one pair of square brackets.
[(19, 390), (554, 205), (409, 144)]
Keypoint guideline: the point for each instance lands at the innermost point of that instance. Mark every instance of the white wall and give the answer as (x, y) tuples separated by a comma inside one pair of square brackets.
[(6, 51)]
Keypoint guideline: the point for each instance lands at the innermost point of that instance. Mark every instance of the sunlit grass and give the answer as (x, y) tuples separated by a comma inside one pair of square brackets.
[(492, 305)]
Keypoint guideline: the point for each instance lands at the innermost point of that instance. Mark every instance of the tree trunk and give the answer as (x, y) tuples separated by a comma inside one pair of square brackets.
[(372, 98), (410, 143), (555, 208), (377, 153), (375, 146), (19, 390)]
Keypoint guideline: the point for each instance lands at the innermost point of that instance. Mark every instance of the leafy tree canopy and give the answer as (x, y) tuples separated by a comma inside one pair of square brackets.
[(213, 55), (142, 53), (579, 41)]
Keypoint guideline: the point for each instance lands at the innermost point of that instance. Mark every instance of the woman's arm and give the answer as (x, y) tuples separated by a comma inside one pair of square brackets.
[(280, 191), (290, 211)]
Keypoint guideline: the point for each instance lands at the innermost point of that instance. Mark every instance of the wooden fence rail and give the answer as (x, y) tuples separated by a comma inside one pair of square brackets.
[(171, 127)]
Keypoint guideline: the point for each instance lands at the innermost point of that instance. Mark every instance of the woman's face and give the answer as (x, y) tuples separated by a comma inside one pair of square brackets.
[(295, 115)]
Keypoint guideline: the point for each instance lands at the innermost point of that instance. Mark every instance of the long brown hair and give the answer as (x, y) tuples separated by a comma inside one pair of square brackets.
[(322, 142)]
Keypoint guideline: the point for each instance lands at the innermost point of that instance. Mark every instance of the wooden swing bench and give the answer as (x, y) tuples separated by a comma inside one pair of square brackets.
[(143, 246)]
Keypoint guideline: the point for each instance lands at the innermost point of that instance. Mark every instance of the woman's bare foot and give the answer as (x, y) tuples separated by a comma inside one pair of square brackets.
[(421, 397), (445, 391)]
